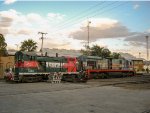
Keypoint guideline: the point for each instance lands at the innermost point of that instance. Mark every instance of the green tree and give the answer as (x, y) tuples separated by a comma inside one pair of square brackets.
[(86, 51), (96, 50), (106, 53), (115, 55), (28, 45), (3, 45)]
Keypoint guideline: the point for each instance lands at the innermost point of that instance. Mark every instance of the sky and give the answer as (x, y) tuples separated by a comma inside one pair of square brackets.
[(120, 26)]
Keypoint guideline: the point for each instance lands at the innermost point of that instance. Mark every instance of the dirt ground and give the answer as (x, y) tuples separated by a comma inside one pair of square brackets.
[(117, 95), (141, 82)]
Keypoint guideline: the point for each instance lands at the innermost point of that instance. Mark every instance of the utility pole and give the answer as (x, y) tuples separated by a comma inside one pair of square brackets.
[(42, 41), (147, 48), (139, 55), (88, 41), (147, 53), (88, 28)]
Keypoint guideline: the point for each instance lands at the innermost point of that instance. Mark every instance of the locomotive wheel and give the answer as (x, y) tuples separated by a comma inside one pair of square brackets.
[(104, 75), (74, 80), (23, 79), (124, 75)]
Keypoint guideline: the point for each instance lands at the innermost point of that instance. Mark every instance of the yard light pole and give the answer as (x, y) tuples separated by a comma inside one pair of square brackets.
[(88, 30), (42, 41), (139, 55), (147, 53)]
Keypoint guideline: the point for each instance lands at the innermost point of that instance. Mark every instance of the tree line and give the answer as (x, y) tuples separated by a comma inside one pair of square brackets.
[(30, 46), (27, 45), (96, 50)]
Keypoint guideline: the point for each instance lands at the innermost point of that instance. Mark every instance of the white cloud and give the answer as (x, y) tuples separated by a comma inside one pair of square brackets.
[(9, 1), (53, 16), (11, 13), (101, 28), (136, 6), (33, 17), (16, 22), (25, 31), (17, 27), (6, 20)]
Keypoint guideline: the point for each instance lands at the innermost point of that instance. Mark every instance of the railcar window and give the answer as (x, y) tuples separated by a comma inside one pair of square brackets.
[(130, 63), (120, 61)]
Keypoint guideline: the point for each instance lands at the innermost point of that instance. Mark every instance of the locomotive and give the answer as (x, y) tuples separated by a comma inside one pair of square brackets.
[(30, 67)]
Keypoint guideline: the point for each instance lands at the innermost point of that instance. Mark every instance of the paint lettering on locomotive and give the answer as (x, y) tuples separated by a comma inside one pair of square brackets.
[(31, 67)]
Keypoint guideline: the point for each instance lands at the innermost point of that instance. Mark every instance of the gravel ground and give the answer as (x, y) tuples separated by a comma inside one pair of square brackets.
[(119, 95), (138, 82)]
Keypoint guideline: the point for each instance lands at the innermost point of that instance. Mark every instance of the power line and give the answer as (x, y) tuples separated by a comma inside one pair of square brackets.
[(94, 15), (83, 12), (111, 8), (79, 19), (85, 15)]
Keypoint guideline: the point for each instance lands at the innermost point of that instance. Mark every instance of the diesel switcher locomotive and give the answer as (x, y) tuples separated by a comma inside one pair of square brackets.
[(30, 67)]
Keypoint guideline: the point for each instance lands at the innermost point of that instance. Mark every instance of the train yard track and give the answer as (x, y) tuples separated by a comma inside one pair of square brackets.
[(135, 82)]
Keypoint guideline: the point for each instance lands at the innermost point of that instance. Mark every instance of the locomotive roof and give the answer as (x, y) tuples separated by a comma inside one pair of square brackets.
[(26, 53), (44, 58), (90, 57)]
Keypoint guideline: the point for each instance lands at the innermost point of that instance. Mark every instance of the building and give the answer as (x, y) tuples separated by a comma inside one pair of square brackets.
[(6, 62)]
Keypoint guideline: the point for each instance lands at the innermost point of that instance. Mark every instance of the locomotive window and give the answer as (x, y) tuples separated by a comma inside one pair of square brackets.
[(99, 66), (20, 57), (92, 64), (120, 61), (32, 58), (130, 63)]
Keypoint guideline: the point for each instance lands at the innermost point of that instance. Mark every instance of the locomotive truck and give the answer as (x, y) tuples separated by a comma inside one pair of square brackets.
[(30, 67)]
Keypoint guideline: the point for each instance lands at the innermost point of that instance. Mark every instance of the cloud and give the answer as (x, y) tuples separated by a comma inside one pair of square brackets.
[(58, 16), (13, 22), (5, 21), (25, 31), (4, 31), (7, 17), (17, 27), (138, 40), (9, 1), (136, 6), (101, 28), (33, 17)]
